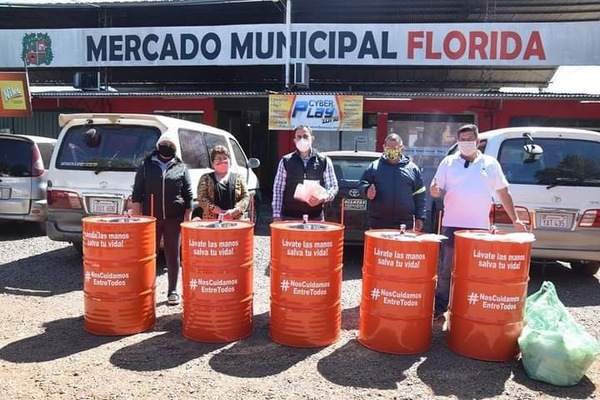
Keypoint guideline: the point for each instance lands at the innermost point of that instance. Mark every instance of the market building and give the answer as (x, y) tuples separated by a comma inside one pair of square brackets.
[(356, 70)]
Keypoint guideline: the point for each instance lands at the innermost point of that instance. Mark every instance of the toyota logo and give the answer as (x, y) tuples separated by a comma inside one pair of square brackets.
[(354, 193), (557, 199), (103, 184)]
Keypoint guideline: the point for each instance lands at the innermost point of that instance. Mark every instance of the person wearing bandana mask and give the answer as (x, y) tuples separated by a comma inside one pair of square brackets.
[(394, 186), (467, 179), (162, 188), (222, 192), (303, 164)]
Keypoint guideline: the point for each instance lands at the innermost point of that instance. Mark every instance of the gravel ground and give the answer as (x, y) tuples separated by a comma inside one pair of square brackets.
[(46, 354)]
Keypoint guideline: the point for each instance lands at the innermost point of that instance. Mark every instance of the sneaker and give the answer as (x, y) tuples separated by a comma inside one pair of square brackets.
[(439, 316), (173, 299)]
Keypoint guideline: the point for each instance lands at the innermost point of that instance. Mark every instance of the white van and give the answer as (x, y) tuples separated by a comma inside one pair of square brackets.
[(554, 176), (92, 176)]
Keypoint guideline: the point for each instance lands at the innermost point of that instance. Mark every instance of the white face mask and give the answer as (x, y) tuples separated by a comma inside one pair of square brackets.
[(467, 148), (303, 145)]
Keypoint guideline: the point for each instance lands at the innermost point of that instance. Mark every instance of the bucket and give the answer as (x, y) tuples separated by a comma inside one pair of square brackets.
[(306, 283), (217, 261), (399, 279), (487, 294), (119, 270)]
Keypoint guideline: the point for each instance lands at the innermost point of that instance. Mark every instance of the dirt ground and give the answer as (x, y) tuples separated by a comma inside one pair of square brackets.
[(46, 354)]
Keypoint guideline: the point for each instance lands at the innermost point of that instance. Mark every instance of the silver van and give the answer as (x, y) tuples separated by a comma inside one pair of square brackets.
[(554, 176), (24, 161), (93, 168)]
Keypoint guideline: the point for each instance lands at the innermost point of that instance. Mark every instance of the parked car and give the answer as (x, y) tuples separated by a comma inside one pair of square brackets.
[(554, 176), (348, 207), (24, 161), (93, 168)]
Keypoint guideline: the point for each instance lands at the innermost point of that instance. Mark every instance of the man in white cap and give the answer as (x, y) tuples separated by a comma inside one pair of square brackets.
[(163, 189)]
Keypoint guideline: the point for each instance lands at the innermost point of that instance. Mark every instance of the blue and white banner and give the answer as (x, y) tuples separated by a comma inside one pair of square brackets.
[(484, 44)]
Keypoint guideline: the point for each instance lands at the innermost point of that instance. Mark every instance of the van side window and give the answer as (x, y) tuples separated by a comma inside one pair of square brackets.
[(238, 154), (193, 146)]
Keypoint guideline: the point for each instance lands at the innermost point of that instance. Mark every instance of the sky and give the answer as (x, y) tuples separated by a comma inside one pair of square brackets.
[(576, 79)]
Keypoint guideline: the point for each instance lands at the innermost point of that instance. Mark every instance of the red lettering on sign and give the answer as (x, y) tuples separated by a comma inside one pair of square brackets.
[(475, 45)]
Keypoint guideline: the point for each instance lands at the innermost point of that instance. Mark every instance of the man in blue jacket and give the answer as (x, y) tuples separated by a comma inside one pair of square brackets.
[(393, 184)]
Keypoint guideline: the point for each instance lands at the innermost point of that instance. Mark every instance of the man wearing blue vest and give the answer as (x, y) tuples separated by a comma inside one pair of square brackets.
[(294, 168)]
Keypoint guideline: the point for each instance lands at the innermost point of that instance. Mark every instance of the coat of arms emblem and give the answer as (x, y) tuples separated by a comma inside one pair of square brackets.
[(37, 49)]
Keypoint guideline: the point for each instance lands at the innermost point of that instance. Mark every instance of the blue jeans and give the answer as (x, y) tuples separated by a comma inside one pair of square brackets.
[(446, 261)]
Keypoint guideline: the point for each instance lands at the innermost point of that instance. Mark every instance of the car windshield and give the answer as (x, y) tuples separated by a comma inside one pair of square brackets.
[(565, 162), (349, 170), (106, 147)]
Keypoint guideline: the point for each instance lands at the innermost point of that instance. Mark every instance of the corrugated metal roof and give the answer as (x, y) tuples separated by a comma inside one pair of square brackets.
[(377, 95)]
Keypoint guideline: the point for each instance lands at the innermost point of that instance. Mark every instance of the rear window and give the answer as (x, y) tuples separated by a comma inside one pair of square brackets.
[(106, 147), (567, 162), (15, 158), (350, 170)]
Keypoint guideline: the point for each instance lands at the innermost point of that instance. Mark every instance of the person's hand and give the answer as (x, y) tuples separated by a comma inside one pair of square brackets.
[(418, 225), (520, 226), (196, 219), (276, 219), (434, 189), (314, 201), (371, 192)]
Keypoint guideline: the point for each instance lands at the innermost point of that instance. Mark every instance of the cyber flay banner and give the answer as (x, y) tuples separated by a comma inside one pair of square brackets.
[(320, 112)]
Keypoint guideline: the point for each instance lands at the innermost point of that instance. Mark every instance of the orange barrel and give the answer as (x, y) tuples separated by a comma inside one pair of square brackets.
[(217, 261), (487, 293), (306, 283), (399, 278), (119, 274)]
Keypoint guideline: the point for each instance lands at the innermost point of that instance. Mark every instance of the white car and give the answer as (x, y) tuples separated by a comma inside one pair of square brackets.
[(554, 176)]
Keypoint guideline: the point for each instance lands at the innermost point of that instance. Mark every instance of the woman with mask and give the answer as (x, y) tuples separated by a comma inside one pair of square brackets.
[(467, 179), (294, 168), (393, 184), (222, 192), (162, 188)]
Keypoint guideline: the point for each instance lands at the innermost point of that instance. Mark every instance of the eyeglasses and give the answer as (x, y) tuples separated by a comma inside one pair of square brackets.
[(221, 158), (305, 136)]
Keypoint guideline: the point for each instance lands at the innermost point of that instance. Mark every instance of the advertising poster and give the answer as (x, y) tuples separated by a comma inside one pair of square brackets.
[(14, 95), (320, 112)]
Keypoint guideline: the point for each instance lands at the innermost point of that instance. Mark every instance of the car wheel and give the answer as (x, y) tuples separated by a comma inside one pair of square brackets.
[(585, 267)]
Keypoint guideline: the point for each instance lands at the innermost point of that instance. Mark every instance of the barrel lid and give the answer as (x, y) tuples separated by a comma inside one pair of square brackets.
[(511, 237), (118, 220), (309, 226), (211, 224)]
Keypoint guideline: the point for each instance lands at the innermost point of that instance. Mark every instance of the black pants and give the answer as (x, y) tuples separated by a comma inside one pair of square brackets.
[(170, 231)]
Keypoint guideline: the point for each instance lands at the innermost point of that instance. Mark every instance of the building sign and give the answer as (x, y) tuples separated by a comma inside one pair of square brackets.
[(472, 44), (14, 95), (320, 112)]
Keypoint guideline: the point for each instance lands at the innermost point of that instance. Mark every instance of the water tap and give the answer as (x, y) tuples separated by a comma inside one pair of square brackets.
[(402, 229), (305, 218)]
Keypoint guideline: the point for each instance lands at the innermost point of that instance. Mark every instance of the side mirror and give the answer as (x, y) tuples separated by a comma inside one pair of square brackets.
[(253, 163), (531, 151)]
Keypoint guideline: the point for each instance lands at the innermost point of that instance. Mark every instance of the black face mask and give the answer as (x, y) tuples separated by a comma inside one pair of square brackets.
[(166, 151)]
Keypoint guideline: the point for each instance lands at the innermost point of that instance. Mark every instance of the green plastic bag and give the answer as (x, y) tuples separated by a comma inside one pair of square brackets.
[(554, 347)]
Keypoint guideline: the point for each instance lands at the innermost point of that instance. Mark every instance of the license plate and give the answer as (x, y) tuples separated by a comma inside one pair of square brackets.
[(559, 221), (5, 193), (355, 204), (104, 206)]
